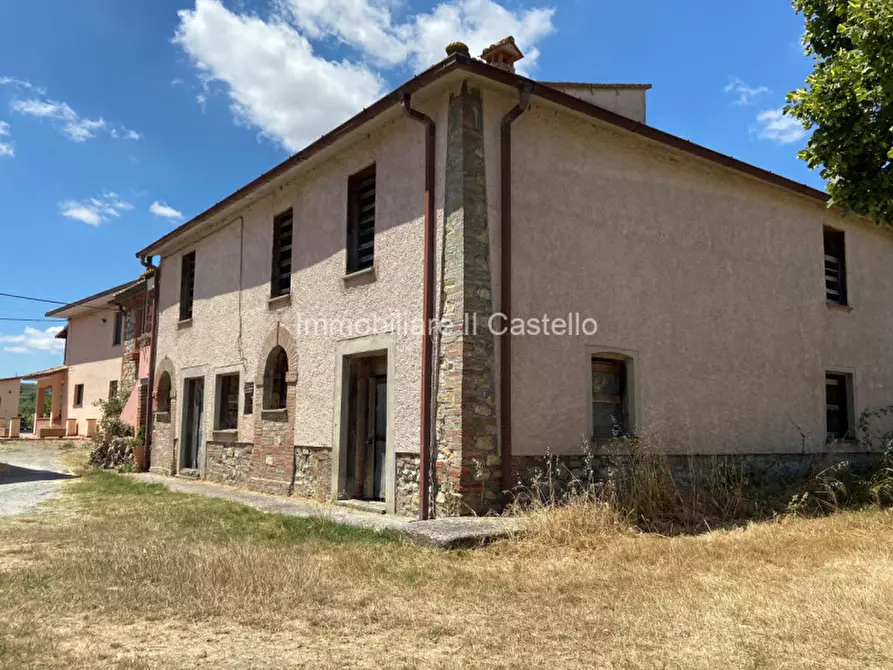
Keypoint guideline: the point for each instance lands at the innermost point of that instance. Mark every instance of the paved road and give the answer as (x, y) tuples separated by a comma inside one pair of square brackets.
[(30, 472)]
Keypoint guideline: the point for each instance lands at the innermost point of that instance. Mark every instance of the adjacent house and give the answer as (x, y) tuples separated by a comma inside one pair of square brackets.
[(107, 353), (735, 313)]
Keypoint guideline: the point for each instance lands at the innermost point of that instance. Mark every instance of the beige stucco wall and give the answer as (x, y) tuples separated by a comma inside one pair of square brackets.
[(93, 361), (626, 101), (713, 281), (229, 325), (9, 398)]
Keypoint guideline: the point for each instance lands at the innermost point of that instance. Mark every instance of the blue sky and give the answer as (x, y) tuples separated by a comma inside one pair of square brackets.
[(120, 120)]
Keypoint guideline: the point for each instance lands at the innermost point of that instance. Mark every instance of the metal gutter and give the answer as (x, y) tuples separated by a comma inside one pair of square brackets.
[(426, 426), (505, 304)]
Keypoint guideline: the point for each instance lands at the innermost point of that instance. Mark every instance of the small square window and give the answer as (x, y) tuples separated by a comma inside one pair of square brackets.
[(839, 405), (227, 402)]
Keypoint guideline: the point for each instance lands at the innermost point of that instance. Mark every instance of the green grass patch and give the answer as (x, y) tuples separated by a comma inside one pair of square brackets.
[(204, 518)]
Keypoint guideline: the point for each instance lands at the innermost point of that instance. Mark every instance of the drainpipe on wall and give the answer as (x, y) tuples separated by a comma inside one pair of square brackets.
[(426, 424), (505, 338), (150, 392)]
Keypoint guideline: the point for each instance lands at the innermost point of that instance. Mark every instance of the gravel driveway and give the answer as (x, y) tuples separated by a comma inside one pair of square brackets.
[(30, 472)]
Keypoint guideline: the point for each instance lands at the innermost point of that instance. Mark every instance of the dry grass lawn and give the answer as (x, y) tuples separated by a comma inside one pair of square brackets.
[(135, 576)]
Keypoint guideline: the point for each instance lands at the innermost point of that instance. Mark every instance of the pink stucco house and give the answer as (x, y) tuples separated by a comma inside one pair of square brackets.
[(107, 352), (734, 312)]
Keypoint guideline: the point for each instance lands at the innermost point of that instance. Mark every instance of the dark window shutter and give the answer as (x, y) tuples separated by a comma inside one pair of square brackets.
[(835, 267), (280, 279), (187, 286), (361, 220)]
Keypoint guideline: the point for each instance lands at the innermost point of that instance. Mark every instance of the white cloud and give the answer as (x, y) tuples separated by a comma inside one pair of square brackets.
[(6, 148), (72, 125), (745, 94), (270, 66), (21, 84), (369, 27), (125, 134), (94, 211), (775, 126), (33, 340), (165, 212)]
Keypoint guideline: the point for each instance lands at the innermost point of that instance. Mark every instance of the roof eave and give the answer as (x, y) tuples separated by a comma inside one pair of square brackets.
[(60, 312)]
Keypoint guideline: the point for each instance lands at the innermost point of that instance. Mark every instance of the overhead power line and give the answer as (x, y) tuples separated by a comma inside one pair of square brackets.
[(8, 318), (26, 297), (56, 302)]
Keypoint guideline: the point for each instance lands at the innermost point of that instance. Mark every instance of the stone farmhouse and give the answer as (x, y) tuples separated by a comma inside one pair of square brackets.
[(735, 312)]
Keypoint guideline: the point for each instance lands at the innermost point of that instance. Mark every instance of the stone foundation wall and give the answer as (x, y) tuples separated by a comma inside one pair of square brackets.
[(760, 471), (313, 473), (407, 489), (228, 462)]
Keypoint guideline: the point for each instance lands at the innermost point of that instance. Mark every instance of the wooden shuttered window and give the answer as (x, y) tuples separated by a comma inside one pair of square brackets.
[(837, 402), (228, 402), (361, 220), (280, 280), (609, 398), (835, 267), (187, 285)]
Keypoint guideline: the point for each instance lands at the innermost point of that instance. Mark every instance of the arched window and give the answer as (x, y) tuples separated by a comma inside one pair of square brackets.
[(163, 396), (274, 379)]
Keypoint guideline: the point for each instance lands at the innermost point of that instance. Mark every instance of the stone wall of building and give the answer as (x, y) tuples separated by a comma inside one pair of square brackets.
[(130, 353), (313, 473), (228, 462), (407, 489), (163, 448), (467, 467)]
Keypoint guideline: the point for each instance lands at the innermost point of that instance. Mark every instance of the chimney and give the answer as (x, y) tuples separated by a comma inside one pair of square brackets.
[(457, 48), (504, 54)]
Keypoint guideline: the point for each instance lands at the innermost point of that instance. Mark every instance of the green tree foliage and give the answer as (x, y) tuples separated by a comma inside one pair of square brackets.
[(848, 101), (27, 398)]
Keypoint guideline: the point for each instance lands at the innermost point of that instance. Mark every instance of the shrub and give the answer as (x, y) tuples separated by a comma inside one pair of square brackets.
[(111, 445), (647, 489)]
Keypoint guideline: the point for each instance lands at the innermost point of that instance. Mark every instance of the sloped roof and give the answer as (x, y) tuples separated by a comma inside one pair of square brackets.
[(456, 62), (95, 300), (45, 373)]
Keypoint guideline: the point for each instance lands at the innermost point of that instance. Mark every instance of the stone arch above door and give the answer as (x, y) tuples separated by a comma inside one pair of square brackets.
[(278, 337)]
